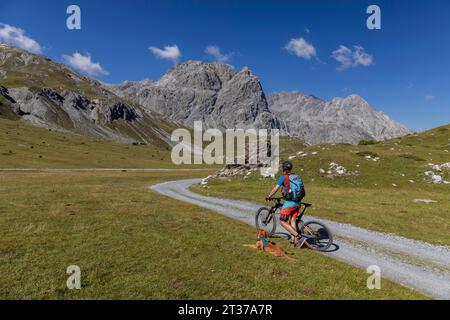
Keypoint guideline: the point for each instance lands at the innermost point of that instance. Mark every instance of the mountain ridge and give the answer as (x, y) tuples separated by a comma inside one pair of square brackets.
[(347, 120), (51, 94)]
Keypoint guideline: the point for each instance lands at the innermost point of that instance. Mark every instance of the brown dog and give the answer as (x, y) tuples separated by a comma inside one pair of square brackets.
[(271, 248)]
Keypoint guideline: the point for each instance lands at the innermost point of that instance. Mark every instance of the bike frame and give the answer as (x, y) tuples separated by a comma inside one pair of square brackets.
[(279, 204), (303, 228)]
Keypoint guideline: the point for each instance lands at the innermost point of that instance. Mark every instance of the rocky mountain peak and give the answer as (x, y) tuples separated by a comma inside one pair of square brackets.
[(210, 92), (291, 99), (246, 75), (198, 75), (352, 100), (348, 119)]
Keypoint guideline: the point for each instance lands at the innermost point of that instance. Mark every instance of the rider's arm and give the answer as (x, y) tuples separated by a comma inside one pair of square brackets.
[(274, 190)]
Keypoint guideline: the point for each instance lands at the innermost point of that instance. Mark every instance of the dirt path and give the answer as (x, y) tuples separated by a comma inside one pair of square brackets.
[(422, 266)]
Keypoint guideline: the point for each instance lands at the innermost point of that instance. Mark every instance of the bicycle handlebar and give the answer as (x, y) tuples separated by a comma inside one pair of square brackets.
[(274, 199)]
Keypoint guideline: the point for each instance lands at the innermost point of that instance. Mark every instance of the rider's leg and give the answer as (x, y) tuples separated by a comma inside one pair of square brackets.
[(291, 225), (293, 220), (289, 228), (285, 214)]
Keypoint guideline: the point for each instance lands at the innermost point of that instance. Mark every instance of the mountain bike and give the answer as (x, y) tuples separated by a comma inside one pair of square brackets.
[(318, 236)]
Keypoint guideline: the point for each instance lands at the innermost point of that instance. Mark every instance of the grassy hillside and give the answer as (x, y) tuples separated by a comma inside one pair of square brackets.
[(131, 243), (378, 195), (24, 69), (46, 80), (5, 110), (26, 146)]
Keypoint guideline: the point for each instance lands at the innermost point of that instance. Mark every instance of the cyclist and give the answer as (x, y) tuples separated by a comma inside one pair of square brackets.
[(293, 191)]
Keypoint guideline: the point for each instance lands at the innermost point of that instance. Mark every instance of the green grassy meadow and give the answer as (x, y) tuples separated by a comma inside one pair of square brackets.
[(132, 243)]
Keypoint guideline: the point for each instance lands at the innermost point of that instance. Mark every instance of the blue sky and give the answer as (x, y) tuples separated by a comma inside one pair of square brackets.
[(402, 69)]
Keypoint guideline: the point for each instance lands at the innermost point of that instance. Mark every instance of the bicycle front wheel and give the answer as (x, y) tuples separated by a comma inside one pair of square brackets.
[(265, 220), (318, 236)]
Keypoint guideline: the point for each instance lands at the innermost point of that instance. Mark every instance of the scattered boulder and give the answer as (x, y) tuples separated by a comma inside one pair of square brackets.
[(436, 179), (232, 170), (424, 200), (370, 158), (439, 167), (302, 154), (335, 170), (205, 180)]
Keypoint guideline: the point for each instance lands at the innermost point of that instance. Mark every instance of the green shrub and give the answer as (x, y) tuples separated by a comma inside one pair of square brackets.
[(366, 142)]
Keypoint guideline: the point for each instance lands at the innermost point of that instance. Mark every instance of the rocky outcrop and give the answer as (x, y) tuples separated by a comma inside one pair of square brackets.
[(347, 120), (70, 111), (120, 111)]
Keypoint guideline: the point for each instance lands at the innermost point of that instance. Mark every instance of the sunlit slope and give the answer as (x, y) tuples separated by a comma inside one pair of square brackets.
[(26, 146)]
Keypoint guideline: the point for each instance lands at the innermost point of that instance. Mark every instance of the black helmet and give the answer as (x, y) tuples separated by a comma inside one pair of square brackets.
[(287, 166)]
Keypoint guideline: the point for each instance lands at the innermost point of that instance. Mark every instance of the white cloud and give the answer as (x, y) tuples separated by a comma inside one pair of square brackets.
[(429, 98), (16, 36), (343, 55), (218, 56), (169, 52), (85, 64), (301, 48), (362, 58), (348, 58)]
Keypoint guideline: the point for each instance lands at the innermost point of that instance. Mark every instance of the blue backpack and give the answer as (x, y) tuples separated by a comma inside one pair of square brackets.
[(294, 190)]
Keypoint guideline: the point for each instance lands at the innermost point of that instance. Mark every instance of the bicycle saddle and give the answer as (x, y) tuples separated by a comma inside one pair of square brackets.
[(306, 204)]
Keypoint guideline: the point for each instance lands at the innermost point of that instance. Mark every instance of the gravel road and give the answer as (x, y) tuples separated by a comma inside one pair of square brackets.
[(414, 264)]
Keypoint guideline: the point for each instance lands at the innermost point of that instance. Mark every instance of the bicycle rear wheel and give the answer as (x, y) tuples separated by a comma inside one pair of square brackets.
[(265, 220), (318, 236)]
